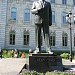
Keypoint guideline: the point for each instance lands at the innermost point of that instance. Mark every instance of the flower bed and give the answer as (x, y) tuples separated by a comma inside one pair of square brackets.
[(26, 72)]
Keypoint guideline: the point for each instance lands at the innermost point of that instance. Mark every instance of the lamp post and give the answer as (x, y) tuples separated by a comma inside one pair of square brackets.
[(68, 18)]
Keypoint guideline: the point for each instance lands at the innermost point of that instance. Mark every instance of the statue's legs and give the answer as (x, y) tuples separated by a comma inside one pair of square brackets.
[(39, 39), (38, 36), (47, 43), (47, 39)]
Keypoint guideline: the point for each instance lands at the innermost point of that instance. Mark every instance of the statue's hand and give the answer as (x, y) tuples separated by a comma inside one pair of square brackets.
[(39, 8), (40, 11)]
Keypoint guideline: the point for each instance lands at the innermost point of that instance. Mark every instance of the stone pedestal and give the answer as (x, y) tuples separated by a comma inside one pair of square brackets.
[(45, 62)]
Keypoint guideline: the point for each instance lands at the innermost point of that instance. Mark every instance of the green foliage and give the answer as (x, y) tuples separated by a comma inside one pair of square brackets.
[(52, 73), (4, 53), (65, 55), (26, 72), (59, 52), (43, 51), (8, 53), (63, 73), (74, 56)]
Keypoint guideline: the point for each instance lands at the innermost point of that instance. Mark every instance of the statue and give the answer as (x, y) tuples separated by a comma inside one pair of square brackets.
[(43, 19)]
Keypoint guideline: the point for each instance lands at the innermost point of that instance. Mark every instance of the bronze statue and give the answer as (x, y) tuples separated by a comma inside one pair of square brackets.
[(43, 19)]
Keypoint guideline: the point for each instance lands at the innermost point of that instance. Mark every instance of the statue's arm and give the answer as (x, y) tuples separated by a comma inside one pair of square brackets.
[(34, 9)]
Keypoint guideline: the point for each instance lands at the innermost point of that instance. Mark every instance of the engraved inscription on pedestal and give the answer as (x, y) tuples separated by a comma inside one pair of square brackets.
[(45, 63)]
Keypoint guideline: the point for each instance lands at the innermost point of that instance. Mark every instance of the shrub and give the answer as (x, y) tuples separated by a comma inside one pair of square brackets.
[(4, 53), (8, 53), (59, 52), (26, 72), (74, 56), (65, 55)]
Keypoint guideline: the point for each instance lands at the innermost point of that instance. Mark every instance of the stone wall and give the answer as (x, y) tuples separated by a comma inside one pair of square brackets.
[(6, 24)]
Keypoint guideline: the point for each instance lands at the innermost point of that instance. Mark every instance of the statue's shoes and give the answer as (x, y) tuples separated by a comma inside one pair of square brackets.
[(50, 52), (36, 51)]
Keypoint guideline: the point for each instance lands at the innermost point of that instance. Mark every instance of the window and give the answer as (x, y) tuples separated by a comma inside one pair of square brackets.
[(74, 41), (64, 1), (17, 1), (64, 39), (53, 16), (27, 15), (73, 2), (52, 39), (64, 17), (26, 37), (12, 38), (52, 1), (10, 1), (13, 13)]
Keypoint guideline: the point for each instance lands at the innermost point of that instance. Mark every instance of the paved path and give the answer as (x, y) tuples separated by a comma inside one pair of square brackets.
[(68, 64), (11, 66)]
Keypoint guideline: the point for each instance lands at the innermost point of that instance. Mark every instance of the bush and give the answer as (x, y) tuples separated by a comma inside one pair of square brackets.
[(74, 56), (8, 53), (65, 55), (59, 52), (26, 72)]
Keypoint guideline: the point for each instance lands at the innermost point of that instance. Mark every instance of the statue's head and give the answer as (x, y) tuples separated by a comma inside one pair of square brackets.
[(42, 0)]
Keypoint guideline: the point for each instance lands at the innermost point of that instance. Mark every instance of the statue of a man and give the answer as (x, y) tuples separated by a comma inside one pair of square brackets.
[(43, 19)]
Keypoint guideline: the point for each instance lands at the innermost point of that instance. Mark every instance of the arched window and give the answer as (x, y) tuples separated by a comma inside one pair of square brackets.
[(64, 1), (12, 38), (52, 1), (52, 39), (27, 14), (26, 37), (64, 39), (53, 16), (13, 13), (63, 17), (73, 2)]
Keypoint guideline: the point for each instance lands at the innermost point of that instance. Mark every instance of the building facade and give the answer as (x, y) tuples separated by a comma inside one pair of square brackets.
[(17, 28)]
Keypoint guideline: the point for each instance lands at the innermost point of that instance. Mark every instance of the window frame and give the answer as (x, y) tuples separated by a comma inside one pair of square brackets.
[(26, 40), (52, 39), (52, 1), (64, 2), (73, 2), (27, 15), (53, 17), (13, 12), (74, 40), (64, 18), (12, 38), (64, 40)]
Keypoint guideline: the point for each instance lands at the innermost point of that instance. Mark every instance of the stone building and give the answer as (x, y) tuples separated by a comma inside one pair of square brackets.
[(17, 29)]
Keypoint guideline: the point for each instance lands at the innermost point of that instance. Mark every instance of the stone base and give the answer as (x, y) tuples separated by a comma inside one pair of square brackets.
[(45, 62)]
